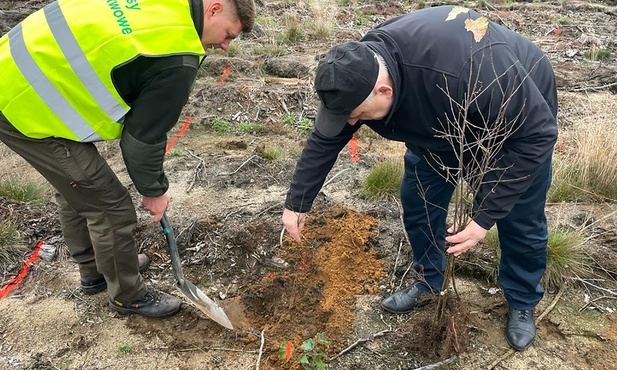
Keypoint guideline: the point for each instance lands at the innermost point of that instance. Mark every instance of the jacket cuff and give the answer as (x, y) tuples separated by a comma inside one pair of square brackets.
[(484, 220), (144, 163)]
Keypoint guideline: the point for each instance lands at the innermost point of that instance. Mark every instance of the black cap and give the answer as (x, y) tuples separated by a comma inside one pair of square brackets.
[(345, 78)]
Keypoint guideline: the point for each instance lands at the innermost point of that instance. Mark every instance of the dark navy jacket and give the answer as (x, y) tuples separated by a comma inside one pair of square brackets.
[(436, 66)]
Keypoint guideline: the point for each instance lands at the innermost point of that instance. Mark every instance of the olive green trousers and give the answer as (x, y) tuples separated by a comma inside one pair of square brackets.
[(96, 210)]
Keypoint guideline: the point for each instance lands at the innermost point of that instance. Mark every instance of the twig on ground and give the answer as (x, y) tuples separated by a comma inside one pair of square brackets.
[(189, 227), (398, 253), (400, 216), (284, 106), (593, 303), (242, 165), (437, 364), (511, 351), (594, 87), (359, 341), (261, 348), (333, 177), (198, 169), (202, 349), (613, 293), (281, 237)]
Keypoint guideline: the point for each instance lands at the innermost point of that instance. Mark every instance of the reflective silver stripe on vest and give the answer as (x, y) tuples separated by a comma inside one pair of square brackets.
[(77, 59), (48, 92)]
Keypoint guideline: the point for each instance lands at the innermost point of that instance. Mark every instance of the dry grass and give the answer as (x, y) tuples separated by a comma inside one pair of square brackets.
[(584, 166)]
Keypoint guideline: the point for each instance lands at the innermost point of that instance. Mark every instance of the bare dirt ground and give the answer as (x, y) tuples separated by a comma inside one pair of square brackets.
[(226, 207)]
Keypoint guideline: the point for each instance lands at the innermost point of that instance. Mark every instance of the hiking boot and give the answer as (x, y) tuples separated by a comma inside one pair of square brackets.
[(97, 284), (154, 303), (407, 300), (520, 329)]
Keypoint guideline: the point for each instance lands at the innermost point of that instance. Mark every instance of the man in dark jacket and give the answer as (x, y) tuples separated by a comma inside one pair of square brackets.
[(80, 71), (426, 81)]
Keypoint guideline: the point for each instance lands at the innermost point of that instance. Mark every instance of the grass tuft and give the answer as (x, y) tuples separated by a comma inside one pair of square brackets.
[(566, 256), (21, 190), (10, 252), (270, 152), (384, 180)]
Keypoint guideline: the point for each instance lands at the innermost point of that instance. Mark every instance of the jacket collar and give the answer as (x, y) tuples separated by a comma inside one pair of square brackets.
[(390, 53), (197, 13)]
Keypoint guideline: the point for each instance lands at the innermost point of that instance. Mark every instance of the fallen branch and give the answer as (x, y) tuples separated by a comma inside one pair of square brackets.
[(202, 349), (242, 165), (594, 87), (333, 177), (261, 348), (359, 341), (511, 351), (199, 167), (437, 364), (596, 286)]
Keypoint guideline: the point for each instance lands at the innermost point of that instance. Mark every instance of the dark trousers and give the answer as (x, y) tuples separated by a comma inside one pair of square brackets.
[(523, 235), (96, 210)]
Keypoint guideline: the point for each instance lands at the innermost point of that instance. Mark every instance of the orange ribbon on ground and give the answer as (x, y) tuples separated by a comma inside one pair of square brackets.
[(15, 281), (353, 149), (171, 142)]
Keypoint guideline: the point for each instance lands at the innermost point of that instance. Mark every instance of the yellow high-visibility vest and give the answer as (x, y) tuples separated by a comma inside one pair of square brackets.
[(55, 66)]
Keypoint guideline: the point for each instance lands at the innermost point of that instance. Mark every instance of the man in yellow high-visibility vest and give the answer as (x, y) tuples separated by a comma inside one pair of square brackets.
[(81, 71)]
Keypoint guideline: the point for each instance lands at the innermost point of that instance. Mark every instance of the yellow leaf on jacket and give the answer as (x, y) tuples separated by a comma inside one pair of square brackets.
[(478, 27), (455, 12)]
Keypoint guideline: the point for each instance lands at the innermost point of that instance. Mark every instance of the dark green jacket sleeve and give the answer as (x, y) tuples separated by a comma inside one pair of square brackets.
[(156, 89)]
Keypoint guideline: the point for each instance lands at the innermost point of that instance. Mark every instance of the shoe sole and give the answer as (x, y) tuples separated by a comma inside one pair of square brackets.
[(127, 311), (418, 305), (95, 289), (519, 348)]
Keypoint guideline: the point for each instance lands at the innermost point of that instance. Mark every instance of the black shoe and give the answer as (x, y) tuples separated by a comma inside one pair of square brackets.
[(153, 304), (520, 329), (97, 284), (407, 300)]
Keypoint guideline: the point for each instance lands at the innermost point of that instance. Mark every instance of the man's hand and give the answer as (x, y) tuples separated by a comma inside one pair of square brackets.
[(156, 205), (465, 239), (294, 223)]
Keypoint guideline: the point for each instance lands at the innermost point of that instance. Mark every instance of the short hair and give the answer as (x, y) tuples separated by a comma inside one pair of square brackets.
[(245, 9)]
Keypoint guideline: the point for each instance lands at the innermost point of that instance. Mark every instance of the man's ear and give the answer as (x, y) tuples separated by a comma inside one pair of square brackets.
[(384, 89), (212, 8)]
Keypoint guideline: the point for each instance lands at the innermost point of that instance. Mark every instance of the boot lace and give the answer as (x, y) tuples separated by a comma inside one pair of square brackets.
[(523, 315), (152, 295)]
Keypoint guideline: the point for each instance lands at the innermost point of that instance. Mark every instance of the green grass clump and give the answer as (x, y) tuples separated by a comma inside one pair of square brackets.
[(123, 348), (293, 32), (270, 50), (566, 256), (384, 180), (221, 126), (21, 190), (299, 123), (597, 54), (271, 152), (250, 127)]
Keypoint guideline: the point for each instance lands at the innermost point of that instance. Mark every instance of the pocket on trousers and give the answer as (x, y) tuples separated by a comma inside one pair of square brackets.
[(83, 164)]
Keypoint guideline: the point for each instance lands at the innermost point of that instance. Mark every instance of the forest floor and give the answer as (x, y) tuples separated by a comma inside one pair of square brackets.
[(226, 205)]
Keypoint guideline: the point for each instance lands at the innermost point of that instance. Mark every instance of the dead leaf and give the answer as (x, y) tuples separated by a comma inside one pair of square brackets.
[(456, 11), (478, 27)]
